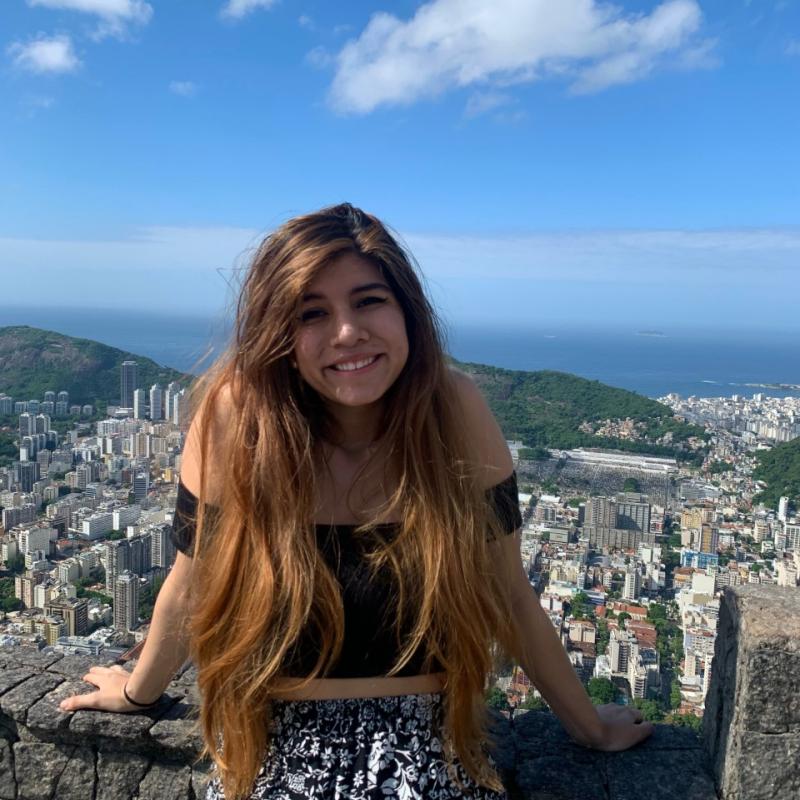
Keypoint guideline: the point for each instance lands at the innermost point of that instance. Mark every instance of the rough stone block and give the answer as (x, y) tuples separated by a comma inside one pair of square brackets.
[(177, 733), (552, 777), (166, 782), (752, 719), (672, 773), (8, 783), (9, 678), (38, 767), (16, 702), (74, 666), (119, 775), (45, 715), (548, 766), (759, 711), (78, 778), (201, 775), (124, 727), (38, 659)]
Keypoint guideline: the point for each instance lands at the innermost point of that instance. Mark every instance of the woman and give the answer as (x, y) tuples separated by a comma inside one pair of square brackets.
[(349, 555)]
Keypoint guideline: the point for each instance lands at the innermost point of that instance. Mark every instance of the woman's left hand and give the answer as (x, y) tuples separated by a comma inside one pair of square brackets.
[(621, 727)]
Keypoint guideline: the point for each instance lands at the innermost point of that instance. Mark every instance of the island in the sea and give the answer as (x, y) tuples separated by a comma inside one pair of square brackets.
[(651, 333)]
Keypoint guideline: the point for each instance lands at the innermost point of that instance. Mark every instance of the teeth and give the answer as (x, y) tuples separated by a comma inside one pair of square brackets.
[(348, 366)]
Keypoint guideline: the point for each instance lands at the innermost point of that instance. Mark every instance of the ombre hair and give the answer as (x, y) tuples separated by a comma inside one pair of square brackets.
[(259, 579)]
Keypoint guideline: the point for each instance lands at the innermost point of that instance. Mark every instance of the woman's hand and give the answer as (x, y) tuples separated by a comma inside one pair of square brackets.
[(621, 727), (110, 683)]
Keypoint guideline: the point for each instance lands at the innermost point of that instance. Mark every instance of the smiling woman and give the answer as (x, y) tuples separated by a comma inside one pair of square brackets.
[(346, 521), (351, 342)]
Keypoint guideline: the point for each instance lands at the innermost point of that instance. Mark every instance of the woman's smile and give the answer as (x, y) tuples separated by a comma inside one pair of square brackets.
[(351, 342)]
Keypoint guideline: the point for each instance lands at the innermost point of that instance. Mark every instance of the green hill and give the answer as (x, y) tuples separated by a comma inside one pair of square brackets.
[(543, 409), (33, 361), (547, 409), (779, 468)]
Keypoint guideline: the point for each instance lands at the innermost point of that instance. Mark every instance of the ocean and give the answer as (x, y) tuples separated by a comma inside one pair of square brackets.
[(700, 362)]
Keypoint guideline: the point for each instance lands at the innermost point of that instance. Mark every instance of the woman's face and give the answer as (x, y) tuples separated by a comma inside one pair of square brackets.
[(351, 341)]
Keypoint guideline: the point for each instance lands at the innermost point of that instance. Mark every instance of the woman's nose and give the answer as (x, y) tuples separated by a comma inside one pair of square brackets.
[(347, 330)]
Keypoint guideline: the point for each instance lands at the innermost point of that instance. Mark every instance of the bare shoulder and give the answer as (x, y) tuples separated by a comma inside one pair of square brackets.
[(490, 450), (213, 416)]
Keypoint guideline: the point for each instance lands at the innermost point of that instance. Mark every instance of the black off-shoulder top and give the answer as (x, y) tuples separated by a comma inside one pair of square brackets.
[(369, 648)]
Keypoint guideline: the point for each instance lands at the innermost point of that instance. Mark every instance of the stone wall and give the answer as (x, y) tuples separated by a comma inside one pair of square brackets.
[(752, 720), (751, 734), (46, 754)]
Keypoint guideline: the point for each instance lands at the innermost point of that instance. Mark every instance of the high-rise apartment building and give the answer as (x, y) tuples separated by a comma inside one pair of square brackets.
[(117, 562), (26, 424), (709, 538), (126, 602), (156, 402), (74, 611), (162, 551), (622, 522), (139, 403), (141, 485), (169, 399), (180, 410), (128, 381)]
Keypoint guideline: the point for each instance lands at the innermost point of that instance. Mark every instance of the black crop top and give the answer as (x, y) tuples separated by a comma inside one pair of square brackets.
[(369, 648)]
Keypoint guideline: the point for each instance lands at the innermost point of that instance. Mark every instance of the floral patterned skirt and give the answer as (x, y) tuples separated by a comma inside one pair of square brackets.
[(377, 747)]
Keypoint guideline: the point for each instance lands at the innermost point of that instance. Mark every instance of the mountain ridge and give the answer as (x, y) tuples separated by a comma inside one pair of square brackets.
[(35, 360), (543, 408)]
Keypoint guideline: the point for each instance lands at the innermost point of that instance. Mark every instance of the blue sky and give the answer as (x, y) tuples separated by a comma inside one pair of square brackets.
[(554, 161)]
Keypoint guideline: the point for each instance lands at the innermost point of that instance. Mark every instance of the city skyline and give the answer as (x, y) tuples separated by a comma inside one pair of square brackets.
[(584, 155)]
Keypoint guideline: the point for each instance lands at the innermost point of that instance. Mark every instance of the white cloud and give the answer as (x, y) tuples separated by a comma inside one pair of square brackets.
[(183, 88), (482, 102), (236, 9), (605, 277), (304, 21), (793, 47), (319, 57), (53, 54), (644, 257), (115, 15), (451, 44)]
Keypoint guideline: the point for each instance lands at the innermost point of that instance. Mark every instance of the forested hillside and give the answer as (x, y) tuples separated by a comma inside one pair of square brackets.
[(33, 361), (779, 468), (547, 409)]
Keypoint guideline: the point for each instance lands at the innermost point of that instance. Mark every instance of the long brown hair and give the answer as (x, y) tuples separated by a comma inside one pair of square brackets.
[(260, 581)]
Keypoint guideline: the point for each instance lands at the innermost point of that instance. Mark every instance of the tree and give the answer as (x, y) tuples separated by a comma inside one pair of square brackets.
[(675, 693), (630, 485), (496, 699), (603, 637), (601, 691), (622, 618), (16, 564), (650, 709), (655, 611), (534, 703), (686, 720)]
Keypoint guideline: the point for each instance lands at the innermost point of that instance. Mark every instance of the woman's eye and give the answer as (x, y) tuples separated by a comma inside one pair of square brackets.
[(371, 301), (311, 314)]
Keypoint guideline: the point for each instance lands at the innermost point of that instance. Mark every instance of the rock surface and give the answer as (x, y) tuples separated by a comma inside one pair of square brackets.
[(751, 736), (752, 719)]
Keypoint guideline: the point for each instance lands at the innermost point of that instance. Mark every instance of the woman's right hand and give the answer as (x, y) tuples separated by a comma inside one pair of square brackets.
[(109, 696), (622, 727)]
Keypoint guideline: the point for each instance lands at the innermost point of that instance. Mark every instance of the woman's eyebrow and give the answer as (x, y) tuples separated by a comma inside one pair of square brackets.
[(367, 287)]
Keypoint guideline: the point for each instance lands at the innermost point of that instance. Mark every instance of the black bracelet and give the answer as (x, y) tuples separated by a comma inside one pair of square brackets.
[(135, 702)]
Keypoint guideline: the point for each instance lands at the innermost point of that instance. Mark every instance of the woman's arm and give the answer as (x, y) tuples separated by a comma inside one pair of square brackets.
[(167, 644), (165, 650), (536, 645), (539, 651)]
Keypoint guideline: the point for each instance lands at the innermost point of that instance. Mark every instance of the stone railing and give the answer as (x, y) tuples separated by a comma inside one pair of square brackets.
[(751, 734)]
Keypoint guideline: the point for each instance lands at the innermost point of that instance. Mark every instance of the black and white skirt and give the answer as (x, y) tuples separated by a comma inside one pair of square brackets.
[(378, 747)]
